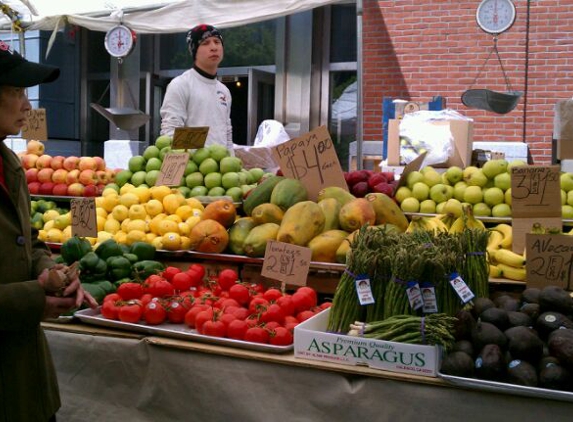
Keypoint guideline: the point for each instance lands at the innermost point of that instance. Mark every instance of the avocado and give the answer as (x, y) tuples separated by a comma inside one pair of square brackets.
[(490, 363), (555, 377), (521, 372), (547, 322), (510, 304), (554, 298), (531, 309), (458, 364), (463, 325), (481, 304), (560, 345), (545, 361), (497, 317), (464, 346), (487, 333), (530, 295), (518, 318), (524, 344)]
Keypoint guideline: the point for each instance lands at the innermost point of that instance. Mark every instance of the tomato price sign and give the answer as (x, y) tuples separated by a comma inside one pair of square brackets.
[(36, 127), (190, 137), (84, 218), (549, 260), (311, 159), (172, 169), (286, 263)]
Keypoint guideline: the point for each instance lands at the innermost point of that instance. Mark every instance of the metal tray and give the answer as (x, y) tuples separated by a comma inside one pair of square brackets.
[(505, 388), (179, 331)]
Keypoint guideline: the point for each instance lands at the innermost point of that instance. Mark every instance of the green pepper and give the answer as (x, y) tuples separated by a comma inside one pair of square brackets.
[(144, 251), (96, 291), (131, 257), (143, 269), (118, 267), (74, 249), (108, 248), (92, 267), (106, 285)]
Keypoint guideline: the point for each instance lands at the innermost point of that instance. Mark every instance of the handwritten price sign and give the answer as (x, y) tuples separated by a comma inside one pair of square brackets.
[(535, 191), (84, 218), (549, 260), (311, 159), (36, 126), (190, 137), (286, 263), (172, 169)]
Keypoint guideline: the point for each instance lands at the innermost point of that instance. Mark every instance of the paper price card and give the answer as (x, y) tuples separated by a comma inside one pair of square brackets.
[(172, 169), (36, 127), (286, 263), (535, 191), (84, 218), (311, 159), (549, 260), (189, 137)]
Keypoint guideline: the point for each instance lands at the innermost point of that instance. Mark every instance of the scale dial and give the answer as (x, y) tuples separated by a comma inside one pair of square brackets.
[(495, 16), (119, 41)]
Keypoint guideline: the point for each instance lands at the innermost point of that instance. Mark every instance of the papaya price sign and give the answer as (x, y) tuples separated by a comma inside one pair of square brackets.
[(550, 260), (84, 218), (286, 263), (312, 159)]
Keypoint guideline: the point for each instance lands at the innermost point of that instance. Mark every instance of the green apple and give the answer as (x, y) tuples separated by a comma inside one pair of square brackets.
[(163, 141), (414, 177), (199, 191), (200, 155), (569, 200), (476, 178), (151, 177), (218, 152), (440, 208), (216, 191), (454, 174), (481, 209), (501, 210), (566, 181), (494, 167), (502, 181), (428, 206), (191, 167), (467, 172), (402, 193), (153, 163), (257, 173), (208, 165), (507, 196), (515, 163), (420, 191), (410, 204), (122, 177), (493, 196), (136, 163), (459, 189), (113, 186), (230, 180), (151, 152), (185, 191), (229, 164), (432, 177), (440, 193), (236, 193), (244, 177), (163, 152), (452, 206), (213, 180), (473, 195), (194, 179), (426, 169), (567, 212), (138, 178)]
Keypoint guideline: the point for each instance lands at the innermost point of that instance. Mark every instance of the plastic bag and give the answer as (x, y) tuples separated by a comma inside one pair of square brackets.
[(270, 133)]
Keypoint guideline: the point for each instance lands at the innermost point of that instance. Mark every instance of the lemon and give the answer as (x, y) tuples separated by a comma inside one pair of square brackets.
[(101, 211), (92, 240), (109, 191), (124, 224), (174, 217), (49, 225), (103, 235), (63, 221), (112, 226), (166, 226), (171, 241), (66, 234), (50, 215), (134, 236), (54, 236), (184, 229), (120, 237), (197, 212), (128, 187), (143, 193), (149, 237), (195, 203), (98, 201), (129, 199), (159, 192), (100, 222), (120, 212), (109, 202), (157, 242), (137, 211), (173, 201), (153, 207), (184, 211), (154, 223), (191, 221), (137, 224), (42, 235), (185, 242)]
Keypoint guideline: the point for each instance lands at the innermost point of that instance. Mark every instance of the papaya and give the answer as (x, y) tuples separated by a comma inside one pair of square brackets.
[(331, 208), (288, 192), (256, 241), (222, 210), (267, 213), (387, 210), (355, 214), (338, 193), (260, 194), (238, 233), (344, 248), (209, 236), (325, 245), (301, 222)]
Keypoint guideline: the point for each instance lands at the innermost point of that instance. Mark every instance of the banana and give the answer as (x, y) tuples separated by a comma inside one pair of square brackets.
[(512, 273), (509, 258), (448, 219), (491, 255), (507, 232), (466, 221), (495, 239), (495, 272), (440, 225), (421, 223), (387, 210)]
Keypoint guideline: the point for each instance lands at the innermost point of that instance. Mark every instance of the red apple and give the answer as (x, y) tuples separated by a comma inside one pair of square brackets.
[(360, 189), (57, 162), (44, 161), (100, 188), (357, 176), (28, 160), (60, 175), (110, 175), (384, 188), (87, 163), (46, 188), (45, 174), (35, 147), (375, 179), (34, 188), (76, 189), (91, 190), (71, 162), (73, 176), (60, 189), (87, 177), (101, 176), (100, 163), (32, 175), (389, 175)]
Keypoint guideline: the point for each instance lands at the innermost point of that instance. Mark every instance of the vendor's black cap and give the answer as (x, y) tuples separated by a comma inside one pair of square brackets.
[(15, 70)]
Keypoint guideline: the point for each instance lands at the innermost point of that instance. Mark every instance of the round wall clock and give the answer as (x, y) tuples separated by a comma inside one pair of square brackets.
[(495, 16), (120, 41)]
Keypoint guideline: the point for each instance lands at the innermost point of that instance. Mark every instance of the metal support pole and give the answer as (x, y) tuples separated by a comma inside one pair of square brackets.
[(359, 132)]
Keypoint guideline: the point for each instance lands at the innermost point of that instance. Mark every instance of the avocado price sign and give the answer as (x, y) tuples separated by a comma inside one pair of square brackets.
[(286, 263), (311, 159), (189, 137), (84, 218), (172, 169), (549, 260)]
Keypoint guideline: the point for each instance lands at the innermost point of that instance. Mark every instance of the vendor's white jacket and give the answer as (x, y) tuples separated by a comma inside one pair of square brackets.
[(193, 100)]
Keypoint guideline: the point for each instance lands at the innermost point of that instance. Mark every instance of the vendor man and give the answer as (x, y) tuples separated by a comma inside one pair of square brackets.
[(197, 98)]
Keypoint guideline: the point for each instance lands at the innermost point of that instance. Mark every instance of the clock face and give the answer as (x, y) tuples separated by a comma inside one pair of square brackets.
[(119, 41), (495, 16)]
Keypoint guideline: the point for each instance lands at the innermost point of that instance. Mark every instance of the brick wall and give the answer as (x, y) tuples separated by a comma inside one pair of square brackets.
[(416, 50)]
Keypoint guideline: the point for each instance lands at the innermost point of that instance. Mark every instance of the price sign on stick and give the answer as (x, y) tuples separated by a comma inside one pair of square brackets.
[(311, 159), (286, 263), (172, 169), (549, 260), (535, 198), (189, 137), (36, 126), (84, 218)]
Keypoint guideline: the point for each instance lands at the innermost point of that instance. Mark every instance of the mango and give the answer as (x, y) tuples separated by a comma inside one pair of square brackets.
[(260, 193), (301, 222), (340, 194), (325, 245), (288, 192), (355, 214), (256, 241), (331, 208), (267, 213), (238, 233)]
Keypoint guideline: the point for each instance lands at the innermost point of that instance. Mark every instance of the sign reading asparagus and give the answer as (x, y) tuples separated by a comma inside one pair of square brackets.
[(84, 218), (286, 262), (172, 169), (311, 159)]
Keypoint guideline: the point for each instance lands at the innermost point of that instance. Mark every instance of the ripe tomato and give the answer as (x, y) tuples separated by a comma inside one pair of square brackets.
[(240, 293), (302, 301), (110, 309), (257, 335), (201, 318), (271, 325), (112, 296), (196, 277), (130, 290), (286, 303), (273, 313), (192, 314), (237, 329), (224, 303), (227, 278), (256, 288), (258, 305), (239, 312), (227, 318), (325, 305), (272, 294), (304, 315), (310, 292), (131, 311), (158, 286), (199, 270), (169, 272), (145, 299), (154, 313), (214, 328), (290, 323), (281, 336), (181, 281), (176, 311)]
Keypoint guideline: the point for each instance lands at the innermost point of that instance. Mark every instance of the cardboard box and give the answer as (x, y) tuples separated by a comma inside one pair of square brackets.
[(311, 341), (462, 132)]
